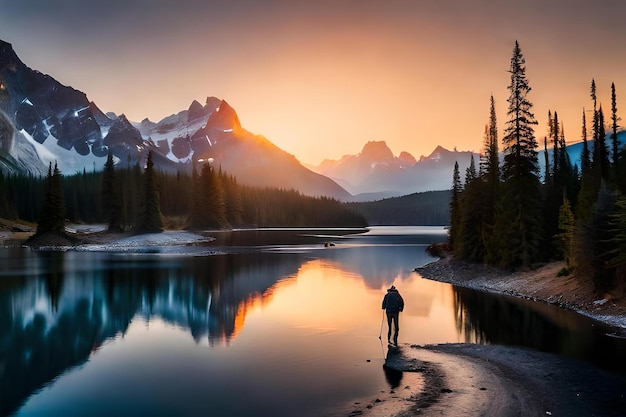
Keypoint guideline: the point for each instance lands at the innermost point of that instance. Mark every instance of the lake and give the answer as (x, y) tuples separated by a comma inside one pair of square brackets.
[(266, 322)]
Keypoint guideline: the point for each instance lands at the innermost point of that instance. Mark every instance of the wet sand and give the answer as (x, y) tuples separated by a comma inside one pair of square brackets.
[(478, 380)]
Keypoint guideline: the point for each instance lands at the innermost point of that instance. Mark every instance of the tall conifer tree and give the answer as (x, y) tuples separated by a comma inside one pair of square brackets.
[(567, 227), (470, 243), (555, 132), (232, 199), (585, 159), (215, 205), (52, 217), (492, 187), (455, 205), (111, 196), (150, 217), (490, 164), (547, 173), (600, 152), (519, 226), (614, 126)]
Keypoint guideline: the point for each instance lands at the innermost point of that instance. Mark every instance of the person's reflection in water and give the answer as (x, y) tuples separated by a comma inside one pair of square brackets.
[(393, 304), (392, 376)]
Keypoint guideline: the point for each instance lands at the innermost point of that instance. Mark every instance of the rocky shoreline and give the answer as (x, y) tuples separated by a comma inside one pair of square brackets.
[(541, 284)]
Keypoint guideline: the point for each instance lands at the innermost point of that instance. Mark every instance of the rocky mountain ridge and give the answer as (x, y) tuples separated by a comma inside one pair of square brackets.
[(43, 122)]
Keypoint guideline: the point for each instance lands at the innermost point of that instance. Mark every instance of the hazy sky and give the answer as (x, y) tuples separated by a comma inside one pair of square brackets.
[(321, 78)]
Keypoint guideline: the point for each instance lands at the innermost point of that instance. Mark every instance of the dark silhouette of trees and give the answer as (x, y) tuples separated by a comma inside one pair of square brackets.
[(559, 183), (490, 162), (519, 228), (52, 216), (209, 206), (111, 197), (614, 126), (577, 213), (232, 199), (177, 197), (474, 204), (585, 158), (150, 215), (455, 206), (431, 208)]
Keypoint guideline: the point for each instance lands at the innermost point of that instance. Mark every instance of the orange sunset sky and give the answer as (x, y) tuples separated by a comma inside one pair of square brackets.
[(321, 78)]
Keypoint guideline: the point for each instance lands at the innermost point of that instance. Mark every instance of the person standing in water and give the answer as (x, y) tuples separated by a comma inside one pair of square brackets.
[(393, 304)]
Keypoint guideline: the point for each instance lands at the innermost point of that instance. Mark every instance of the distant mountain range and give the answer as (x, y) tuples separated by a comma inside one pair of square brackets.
[(376, 173)]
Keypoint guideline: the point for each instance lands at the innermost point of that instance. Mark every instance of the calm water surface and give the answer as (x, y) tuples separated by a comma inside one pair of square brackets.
[(260, 323)]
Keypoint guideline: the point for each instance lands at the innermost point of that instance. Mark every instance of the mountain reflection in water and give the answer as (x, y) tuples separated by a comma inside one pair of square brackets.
[(54, 321), (274, 325)]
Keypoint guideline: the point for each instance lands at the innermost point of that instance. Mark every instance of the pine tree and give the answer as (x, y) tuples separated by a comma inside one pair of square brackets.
[(567, 226), (111, 196), (215, 208), (470, 242), (470, 172), (197, 199), (588, 186), (556, 133), (614, 126), (594, 97), (520, 154), (133, 180), (455, 206), (617, 221), (209, 205), (568, 179), (150, 217), (519, 228), (600, 161), (6, 209), (52, 217), (557, 177), (232, 199), (597, 240), (585, 159), (490, 163), (547, 173)]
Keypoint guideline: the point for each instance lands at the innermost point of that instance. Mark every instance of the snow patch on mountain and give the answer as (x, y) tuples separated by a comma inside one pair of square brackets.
[(174, 134), (68, 161), (43, 153)]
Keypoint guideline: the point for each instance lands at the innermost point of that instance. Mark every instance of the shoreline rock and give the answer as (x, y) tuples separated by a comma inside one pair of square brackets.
[(541, 284)]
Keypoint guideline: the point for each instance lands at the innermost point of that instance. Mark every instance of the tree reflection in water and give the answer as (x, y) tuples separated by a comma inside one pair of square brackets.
[(54, 321), (506, 320)]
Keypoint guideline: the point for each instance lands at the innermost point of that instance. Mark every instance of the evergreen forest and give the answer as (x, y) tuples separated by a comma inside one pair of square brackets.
[(419, 209), (509, 214), (146, 200)]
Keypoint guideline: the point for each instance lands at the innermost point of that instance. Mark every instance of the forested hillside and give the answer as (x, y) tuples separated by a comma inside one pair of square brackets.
[(511, 215), (136, 199), (421, 209)]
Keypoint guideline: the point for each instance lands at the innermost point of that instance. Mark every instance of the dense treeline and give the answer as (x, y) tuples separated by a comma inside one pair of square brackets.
[(419, 209), (507, 213), (132, 199)]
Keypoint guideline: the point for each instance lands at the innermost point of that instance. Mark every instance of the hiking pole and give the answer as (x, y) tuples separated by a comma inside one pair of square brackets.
[(382, 319)]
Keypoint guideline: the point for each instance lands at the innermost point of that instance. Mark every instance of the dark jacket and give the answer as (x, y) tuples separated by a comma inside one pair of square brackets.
[(393, 301)]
